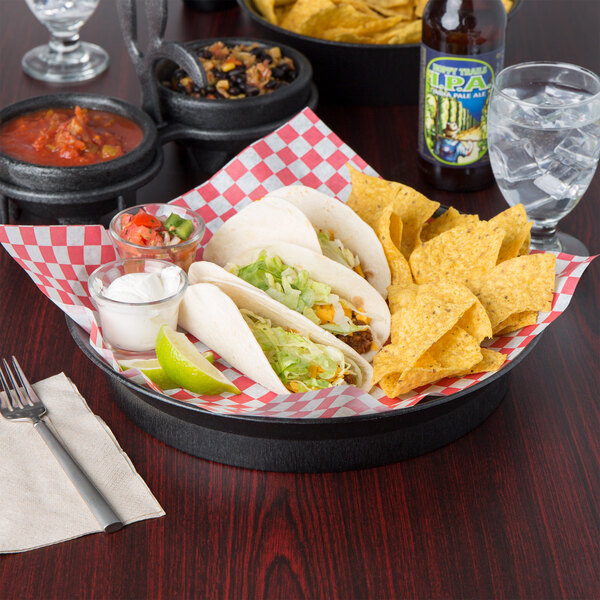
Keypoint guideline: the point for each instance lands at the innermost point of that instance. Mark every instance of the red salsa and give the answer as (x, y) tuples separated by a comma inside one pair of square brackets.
[(145, 229), (67, 137), (139, 234)]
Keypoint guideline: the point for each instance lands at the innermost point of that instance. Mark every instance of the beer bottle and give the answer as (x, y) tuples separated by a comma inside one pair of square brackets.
[(462, 49)]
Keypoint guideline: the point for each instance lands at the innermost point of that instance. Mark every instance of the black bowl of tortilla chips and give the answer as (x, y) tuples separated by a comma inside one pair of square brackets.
[(378, 69)]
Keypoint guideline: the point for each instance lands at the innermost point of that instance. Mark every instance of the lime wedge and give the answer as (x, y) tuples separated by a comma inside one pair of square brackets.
[(209, 356), (151, 368), (187, 367)]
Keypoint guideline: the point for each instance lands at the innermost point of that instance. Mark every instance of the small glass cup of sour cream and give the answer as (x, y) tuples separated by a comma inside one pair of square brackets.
[(134, 298)]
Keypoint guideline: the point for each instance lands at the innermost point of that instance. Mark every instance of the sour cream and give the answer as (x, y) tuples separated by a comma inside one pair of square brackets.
[(133, 306), (144, 287)]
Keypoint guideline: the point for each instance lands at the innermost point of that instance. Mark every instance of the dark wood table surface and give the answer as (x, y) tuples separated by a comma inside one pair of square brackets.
[(508, 511)]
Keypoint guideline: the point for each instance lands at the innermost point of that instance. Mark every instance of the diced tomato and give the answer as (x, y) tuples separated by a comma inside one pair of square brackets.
[(125, 220), (145, 220), (142, 234), (142, 229)]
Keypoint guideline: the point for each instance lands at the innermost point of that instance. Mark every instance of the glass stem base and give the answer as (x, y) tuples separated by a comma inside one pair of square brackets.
[(65, 60), (549, 239), (544, 238)]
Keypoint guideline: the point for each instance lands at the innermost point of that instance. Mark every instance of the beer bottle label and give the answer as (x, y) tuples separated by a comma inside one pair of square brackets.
[(453, 106)]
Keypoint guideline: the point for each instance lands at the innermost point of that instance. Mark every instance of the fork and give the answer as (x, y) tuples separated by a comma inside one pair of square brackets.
[(23, 403)]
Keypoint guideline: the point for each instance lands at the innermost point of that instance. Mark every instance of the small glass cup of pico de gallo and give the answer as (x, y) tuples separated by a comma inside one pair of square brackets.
[(160, 231)]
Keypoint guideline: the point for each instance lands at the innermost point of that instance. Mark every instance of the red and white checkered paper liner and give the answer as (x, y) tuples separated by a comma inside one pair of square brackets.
[(60, 259)]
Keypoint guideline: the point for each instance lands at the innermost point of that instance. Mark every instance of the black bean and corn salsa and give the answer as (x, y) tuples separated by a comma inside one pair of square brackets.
[(240, 71)]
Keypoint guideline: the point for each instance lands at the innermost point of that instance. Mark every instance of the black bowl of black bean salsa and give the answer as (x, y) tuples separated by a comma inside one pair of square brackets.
[(240, 103), (252, 86)]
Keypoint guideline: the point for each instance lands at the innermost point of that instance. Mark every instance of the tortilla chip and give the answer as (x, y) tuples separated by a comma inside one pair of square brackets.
[(524, 283), (451, 218), (491, 361), (415, 210), (389, 231), (476, 322), (409, 33), (525, 247), (370, 195), (301, 11), (517, 321), (423, 315), (405, 13), (463, 253), (267, 10), (517, 230), (400, 296), (387, 4), (359, 5), (345, 22), (419, 8), (390, 359), (455, 352), (342, 17), (281, 12)]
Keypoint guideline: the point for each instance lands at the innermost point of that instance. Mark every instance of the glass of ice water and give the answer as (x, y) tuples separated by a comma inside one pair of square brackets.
[(65, 58), (544, 143)]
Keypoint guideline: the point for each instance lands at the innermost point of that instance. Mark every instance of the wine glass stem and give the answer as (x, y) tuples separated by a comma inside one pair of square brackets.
[(64, 44), (544, 237)]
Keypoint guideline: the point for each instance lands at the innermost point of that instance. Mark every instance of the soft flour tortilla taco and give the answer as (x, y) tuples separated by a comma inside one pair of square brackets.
[(260, 222), (342, 234), (321, 290), (305, 217), (267, 342)]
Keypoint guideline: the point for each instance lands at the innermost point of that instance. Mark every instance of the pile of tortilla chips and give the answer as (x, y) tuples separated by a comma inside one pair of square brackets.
[(353, 21), (456, 280)]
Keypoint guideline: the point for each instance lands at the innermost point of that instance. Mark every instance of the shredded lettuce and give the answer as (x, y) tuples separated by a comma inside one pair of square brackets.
[(300, 363), (295, 289), (334, 249)]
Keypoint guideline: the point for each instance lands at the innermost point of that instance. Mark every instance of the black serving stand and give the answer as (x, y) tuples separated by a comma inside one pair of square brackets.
[(209, 148), (87, 206)]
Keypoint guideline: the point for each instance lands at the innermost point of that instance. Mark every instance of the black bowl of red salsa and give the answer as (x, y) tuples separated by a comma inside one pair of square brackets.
[(74, 142)]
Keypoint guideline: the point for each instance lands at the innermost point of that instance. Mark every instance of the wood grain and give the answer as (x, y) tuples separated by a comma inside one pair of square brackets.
[(508, 511)]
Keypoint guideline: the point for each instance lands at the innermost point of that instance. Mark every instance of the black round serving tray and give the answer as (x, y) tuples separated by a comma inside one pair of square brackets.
[(305, 445)]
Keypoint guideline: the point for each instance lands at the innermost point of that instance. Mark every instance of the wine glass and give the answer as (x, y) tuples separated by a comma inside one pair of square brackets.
[(544, 143), (64, 59)]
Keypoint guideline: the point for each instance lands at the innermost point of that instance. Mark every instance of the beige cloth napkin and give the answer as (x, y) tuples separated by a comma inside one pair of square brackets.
[(39, 505)]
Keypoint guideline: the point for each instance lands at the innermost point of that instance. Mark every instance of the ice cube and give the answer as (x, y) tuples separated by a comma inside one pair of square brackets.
[(514, 160), (540, 117), (579, 148), (542, 97), (518, 93), (500, 129), (551, 185), (560, 94)]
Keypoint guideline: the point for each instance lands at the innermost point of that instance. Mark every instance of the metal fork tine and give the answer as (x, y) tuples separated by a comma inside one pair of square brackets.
[(8, 400), (17, 396), (25, 385)]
